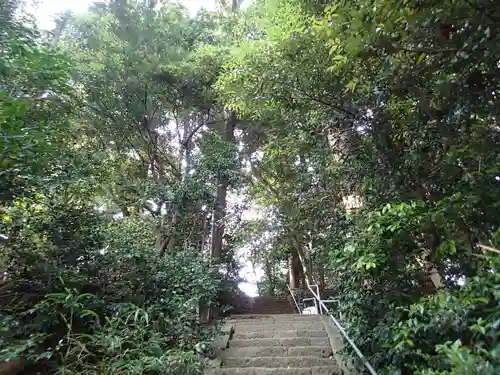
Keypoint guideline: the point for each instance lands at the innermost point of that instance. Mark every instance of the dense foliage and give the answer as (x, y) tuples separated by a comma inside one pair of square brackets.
[(377, 128), (107, 191), (365, 131)]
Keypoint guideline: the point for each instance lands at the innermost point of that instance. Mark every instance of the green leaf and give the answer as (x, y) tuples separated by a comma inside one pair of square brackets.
[(420, 58)]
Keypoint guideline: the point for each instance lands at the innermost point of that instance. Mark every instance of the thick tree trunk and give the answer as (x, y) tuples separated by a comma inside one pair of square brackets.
[(167, 242), (294, 269), (291, 273), (61, 23), (173, 236), (221, 202), (303, 262), (303, 283)]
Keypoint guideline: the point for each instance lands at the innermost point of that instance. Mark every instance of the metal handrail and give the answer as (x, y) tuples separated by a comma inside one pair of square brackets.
[(340, 328), (294, 300)]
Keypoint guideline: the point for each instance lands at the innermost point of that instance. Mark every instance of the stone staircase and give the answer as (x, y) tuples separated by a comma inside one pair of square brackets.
[(270, 305), (242, 305), (282, 344)]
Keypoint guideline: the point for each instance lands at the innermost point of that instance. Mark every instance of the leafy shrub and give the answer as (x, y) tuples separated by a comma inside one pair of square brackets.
[(394, 312), (89, 301), (452, 333)]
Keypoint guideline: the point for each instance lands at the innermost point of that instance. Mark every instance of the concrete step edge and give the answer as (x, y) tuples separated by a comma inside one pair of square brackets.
[(319, 370), (285, 326), (273, 356), (290, 342), (275, 316), (310, 333), (275, 322), (272, 347), (278, 362), (278, 351)]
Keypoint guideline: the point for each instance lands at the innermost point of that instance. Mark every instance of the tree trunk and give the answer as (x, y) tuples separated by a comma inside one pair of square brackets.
[(61, 23), (173, 237), (305, 274), (167, 242), (294, 270), (221, 202), (290, 273)]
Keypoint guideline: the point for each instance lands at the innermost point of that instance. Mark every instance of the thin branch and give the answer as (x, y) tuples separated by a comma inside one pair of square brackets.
[(186, 141), (489, 248), (99, 111), (171, 164), (127, 139), (321, 101), (147, 142), (112, 118), (428, 50), (195, 130)]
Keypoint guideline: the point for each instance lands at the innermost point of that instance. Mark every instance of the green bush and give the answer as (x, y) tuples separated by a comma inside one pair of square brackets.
[(454, 333), (393, 311), (90, 301)]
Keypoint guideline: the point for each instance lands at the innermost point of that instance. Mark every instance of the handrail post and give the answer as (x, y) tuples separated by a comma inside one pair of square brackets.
[(322, 305)]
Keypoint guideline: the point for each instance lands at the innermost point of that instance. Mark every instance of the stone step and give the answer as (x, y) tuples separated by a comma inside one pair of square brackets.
[(238, 334), (258, 327), (279, 351), (296, 341), (286, 317), (282, 362), (268, 305), (277, 371), (282, 309), (276, 322), (278, 316)]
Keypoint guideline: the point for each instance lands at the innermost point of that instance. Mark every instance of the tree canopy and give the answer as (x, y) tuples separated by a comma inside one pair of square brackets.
[(134, 138)]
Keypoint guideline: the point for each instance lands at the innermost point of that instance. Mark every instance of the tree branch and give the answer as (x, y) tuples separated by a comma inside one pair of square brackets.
[(321, 101), (186, 141)]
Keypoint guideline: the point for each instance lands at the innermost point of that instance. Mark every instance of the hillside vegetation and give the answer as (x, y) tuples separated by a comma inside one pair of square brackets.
[(135, 138)]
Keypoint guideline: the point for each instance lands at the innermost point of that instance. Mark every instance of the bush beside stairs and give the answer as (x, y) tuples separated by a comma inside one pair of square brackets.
[(277, 343)]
